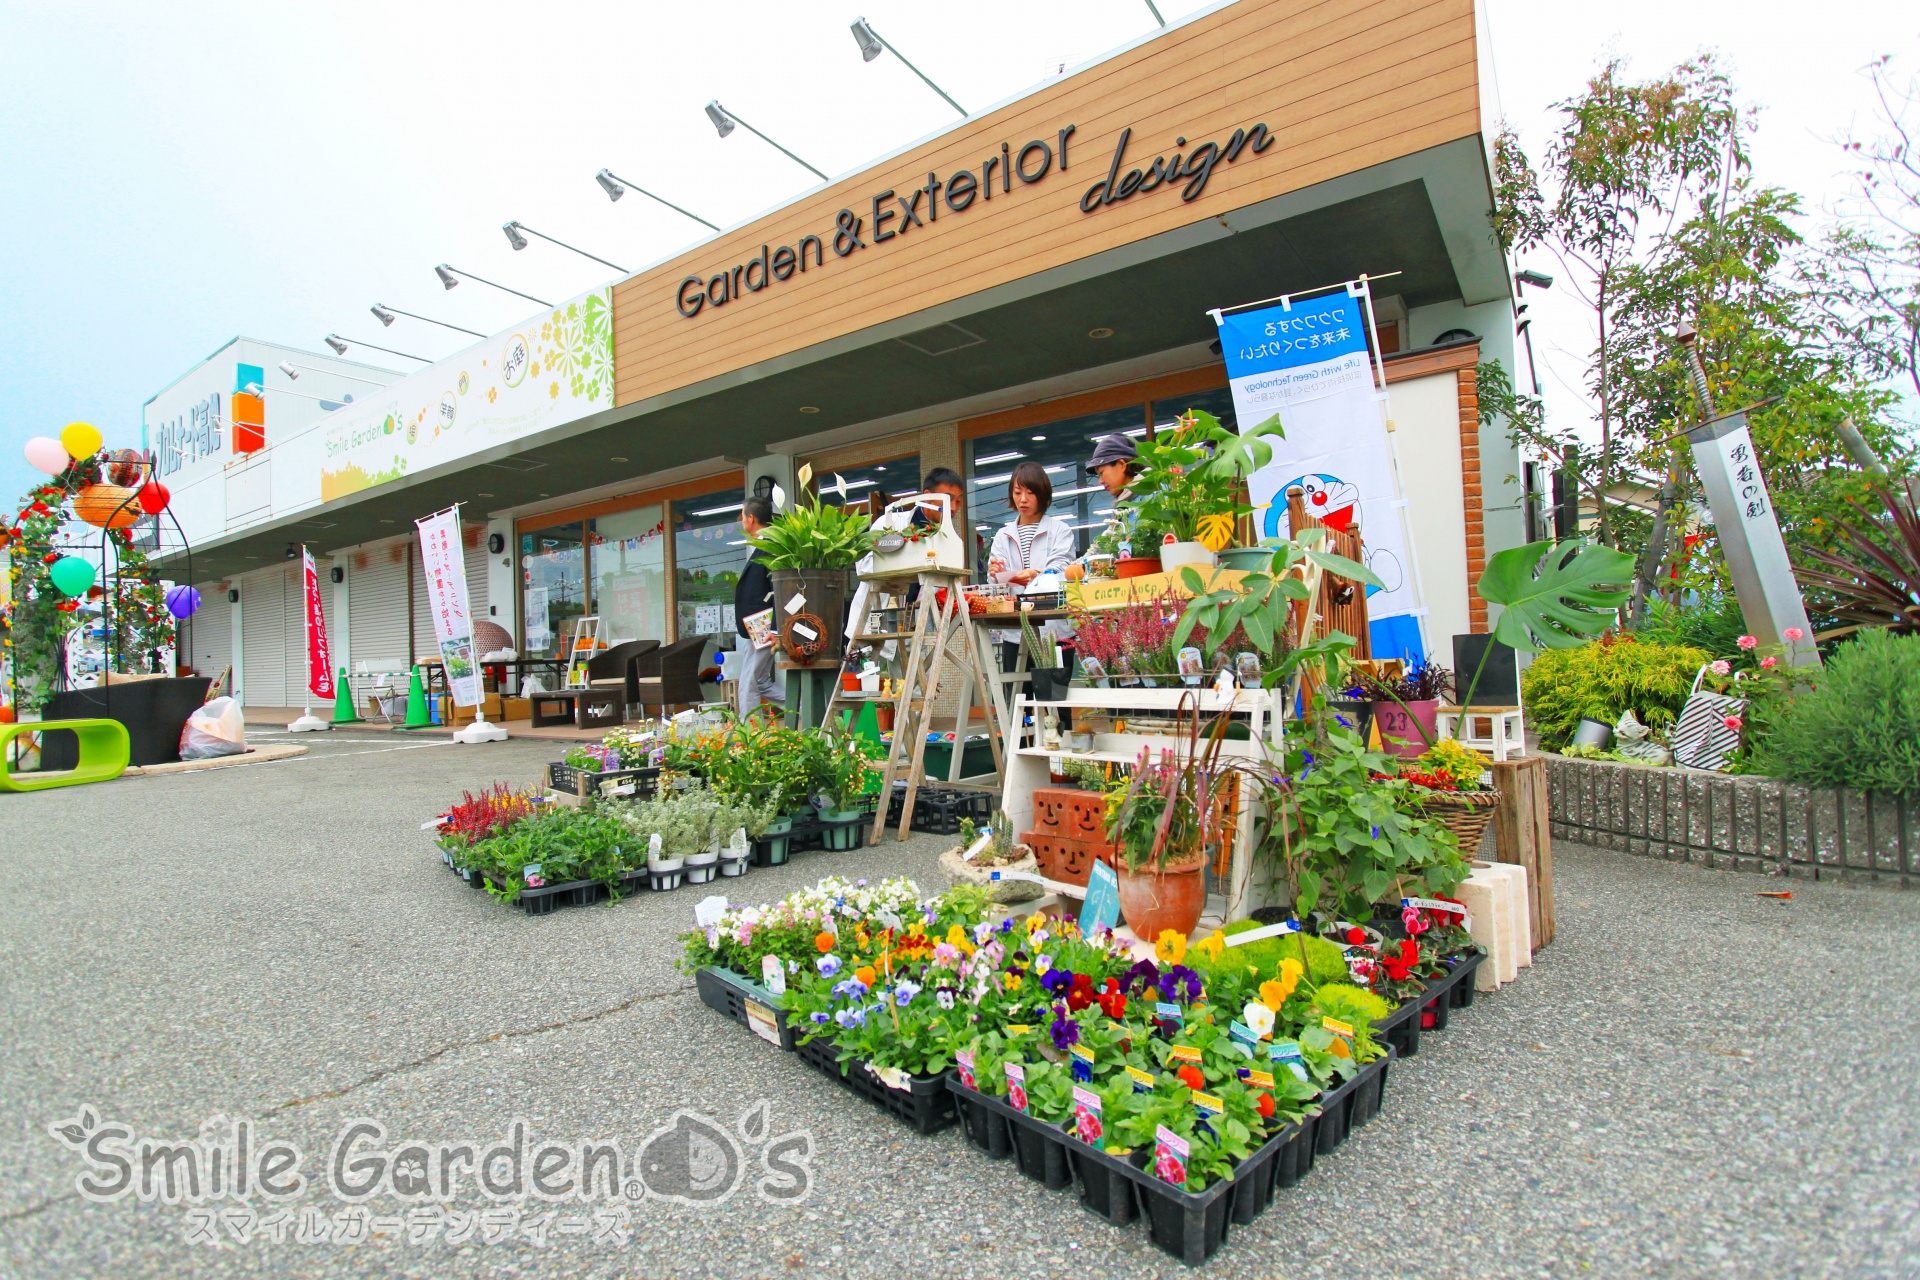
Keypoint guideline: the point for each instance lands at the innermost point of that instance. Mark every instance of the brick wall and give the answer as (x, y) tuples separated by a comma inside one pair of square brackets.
[(1736, 823)]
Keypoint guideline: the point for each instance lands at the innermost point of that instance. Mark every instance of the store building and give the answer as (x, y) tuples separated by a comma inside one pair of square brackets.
[(1013, 286)]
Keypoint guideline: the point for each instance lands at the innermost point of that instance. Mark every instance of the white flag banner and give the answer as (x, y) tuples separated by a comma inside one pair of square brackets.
[(446, 573), (1308, 362)]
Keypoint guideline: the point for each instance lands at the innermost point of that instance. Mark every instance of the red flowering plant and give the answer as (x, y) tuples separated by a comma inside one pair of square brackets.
[(1130, 640), (477, 817)]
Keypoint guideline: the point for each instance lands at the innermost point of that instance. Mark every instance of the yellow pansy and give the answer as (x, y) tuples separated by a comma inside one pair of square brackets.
[(1171, 948), (1213, 944), (1013, 982)]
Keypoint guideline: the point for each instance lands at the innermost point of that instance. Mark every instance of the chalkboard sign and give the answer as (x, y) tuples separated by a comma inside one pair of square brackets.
[(1102, 906)]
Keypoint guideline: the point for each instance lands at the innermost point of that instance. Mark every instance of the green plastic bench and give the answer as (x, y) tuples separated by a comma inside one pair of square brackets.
[(104, 753)]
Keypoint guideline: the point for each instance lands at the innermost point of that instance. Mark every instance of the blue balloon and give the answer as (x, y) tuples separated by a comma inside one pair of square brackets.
[(182, 601)]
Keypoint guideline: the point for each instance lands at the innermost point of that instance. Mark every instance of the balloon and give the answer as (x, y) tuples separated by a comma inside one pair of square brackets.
[(71, 575), (154, 497), (182, 601), (81, 439), (124, 467), (47, 454)]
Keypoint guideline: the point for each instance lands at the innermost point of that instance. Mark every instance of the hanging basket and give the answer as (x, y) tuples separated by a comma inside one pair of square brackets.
[(1465, 813)]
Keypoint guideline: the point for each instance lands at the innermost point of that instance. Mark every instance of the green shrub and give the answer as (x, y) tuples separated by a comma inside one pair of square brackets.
[(1859, 727), (1601, 680), (1713, 626), (1327, 962)]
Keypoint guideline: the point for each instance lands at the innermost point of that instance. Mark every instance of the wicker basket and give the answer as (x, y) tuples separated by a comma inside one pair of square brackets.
[(1465, 813)]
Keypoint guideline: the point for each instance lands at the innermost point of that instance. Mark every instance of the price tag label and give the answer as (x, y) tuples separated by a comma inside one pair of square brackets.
[(773, 975), (1338, 1027), (1264, 932), (1142, 1080), (796, 602)]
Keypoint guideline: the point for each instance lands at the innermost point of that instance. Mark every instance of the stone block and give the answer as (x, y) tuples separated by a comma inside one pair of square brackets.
[(1675, 830), (1770, 821), (1887, 827), (1637, 845), (1823, 819), (1698, 830), (1746, 819), (1856, 832), (1636, 802), (1722, 796), (1796, 804)]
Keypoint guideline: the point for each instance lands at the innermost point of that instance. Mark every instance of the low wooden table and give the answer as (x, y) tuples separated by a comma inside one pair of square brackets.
[(597, 708)]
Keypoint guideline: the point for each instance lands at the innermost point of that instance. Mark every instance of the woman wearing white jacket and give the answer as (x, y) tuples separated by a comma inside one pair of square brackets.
[(1035, 543)]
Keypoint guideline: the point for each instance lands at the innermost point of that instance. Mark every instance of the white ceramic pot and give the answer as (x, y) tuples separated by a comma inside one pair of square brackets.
[(1175, 554)]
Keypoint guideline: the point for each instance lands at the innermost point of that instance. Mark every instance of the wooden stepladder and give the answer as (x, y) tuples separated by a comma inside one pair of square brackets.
[(938, 655)]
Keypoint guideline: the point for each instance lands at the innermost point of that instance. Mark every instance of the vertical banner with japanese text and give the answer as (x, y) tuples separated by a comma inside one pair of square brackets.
[(1308, 361), (444, 564), (319, 656)]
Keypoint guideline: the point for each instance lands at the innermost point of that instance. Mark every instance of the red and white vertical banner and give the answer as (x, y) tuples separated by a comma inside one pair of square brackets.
[(319, 655), (446, 571)]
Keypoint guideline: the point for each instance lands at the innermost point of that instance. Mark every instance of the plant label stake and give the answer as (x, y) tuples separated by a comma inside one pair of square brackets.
[(1749, 534)]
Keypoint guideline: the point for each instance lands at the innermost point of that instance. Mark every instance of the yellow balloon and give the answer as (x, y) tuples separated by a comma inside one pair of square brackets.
[(81, 439)]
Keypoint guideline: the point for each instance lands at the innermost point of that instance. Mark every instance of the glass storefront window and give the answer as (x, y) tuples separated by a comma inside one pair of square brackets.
[(1218, 402), (885, 480), (553, 585), (629, 558), (708, 552), (1063, 449)]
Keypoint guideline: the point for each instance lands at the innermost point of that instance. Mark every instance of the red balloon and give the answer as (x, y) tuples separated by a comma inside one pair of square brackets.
[(154, 497)]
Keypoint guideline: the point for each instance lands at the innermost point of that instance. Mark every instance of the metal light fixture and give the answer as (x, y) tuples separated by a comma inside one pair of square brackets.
[(1538, 279), (385, 314), (871, 46), (723, 120), (451, 276), (339, 345), (292, 371), (519, 242), (614, 188)]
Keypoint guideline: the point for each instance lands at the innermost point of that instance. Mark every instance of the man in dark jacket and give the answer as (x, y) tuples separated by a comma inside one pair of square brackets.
[(752, 594)]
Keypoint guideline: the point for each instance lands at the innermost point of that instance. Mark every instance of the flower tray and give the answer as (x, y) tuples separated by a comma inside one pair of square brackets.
[(586, 782), (938, 810), (1039, 1147), (1351, 1105), (1281, 1161), (542, 901), (747, 1003), (1452, 990), (1400, 1029), (1189, 1225), (924, 1105), (985, 1128)]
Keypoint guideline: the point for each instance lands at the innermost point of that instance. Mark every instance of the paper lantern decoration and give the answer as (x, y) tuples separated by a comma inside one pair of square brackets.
[(71, 575), (106, 506), (81, 439), (125, 467), (47, 454), (154, 497), (182, 601)]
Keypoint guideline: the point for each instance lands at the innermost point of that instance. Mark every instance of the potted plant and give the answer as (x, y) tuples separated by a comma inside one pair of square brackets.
[(846, 780), (1048, 672), (811, 549), (999, 853), (1166, 822), (672, 831), (1191, 485), (1405, 706)]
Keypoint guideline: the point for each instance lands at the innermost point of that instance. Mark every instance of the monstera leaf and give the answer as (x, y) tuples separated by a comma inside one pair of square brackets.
[(1556, 595)]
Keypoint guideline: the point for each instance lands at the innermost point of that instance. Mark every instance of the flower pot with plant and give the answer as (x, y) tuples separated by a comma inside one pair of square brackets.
[(1191, 484), (1406, 706), (811, 549), (999, 853)]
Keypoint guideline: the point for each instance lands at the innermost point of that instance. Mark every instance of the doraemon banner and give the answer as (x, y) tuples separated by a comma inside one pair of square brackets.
[(1308, 361)]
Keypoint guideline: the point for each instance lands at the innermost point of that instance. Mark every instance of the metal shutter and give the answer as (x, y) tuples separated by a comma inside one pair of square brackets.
[(295, 596), (426, 641), (477, 582), (263, 636), (377, 608), (206, 638)]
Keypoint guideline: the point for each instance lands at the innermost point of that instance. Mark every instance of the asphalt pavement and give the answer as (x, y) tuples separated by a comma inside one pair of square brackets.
[(1693, 1080)]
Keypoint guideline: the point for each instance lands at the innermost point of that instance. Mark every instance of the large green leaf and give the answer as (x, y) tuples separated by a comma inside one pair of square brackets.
[(1556, 595)]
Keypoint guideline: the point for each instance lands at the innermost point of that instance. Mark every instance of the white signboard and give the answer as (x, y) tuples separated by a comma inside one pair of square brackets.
[(446, 573)]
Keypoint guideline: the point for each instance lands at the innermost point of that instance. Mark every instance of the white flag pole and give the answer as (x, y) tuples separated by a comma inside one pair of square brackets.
[(1363, 288), (480, 730), (308, 722)]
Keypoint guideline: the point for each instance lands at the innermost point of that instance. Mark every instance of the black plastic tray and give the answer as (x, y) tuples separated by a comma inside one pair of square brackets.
[(925, 1105), (1039, 1148), (727, 992), (586, 782), (1281, 1161), (1350, 1105)]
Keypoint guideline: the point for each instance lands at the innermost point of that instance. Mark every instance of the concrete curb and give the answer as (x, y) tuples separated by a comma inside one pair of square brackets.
[(254, 755)]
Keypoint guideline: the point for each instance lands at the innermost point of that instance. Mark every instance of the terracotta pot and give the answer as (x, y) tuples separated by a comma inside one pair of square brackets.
[(1413, 723), (1171, 899), (1136, 566)]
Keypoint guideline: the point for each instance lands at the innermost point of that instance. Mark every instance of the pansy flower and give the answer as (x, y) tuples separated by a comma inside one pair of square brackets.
[(1043, 963), (1142, 975), (1056, 981), (1113, 1000), (945, 996), (828, 965), (1170, 947), (904, 991), (864, 975), (1080, 994), (1259, 1019), (1064, 1030), (1013, 981)]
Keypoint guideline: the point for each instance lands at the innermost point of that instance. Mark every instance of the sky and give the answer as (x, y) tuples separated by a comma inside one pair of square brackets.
[(174, 175)]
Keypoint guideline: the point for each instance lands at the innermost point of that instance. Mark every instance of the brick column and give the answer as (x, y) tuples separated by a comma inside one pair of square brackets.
[(1470, 488)]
